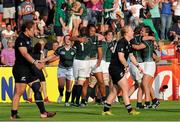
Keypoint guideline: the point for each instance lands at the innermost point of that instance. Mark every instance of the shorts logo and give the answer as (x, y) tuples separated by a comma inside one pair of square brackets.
[(23, 78), (27, 42)]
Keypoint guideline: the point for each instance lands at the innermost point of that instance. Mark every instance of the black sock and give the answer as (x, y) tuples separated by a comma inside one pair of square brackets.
[(61, 90), (147, 103), (103, 99), (129, 108), (154, 100), (107, 91), (78, 95), (98, 100), (74, 92), (14, 112), (67, 96), (139, 104), (120, 98), (38, 97), (83, 101), (107, 107)]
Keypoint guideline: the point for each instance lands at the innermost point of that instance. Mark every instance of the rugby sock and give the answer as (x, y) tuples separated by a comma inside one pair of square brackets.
[(154, 100), (14, 112), (67, 96), (129, 108), (103, 99), (139, 104), (147, 103), (107, 91), (120, 98), (79, 92), (38, 96), (83, 101), (60, 90), (106, 107), (74, 92)]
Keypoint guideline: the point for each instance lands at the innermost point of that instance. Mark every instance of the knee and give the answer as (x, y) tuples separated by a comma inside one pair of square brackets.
[(36, 87)]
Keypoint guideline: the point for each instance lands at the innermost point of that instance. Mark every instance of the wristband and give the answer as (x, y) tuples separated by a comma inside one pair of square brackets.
[(33, 61)]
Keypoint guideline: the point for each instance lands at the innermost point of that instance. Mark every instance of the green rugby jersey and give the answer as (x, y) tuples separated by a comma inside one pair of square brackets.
[(137, 53), (147, 53), (66, 56), (107, 47), (83, 50), (60, 14), (95, 44)]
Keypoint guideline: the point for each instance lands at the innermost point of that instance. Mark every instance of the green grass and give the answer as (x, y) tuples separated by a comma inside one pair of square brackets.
[(168, 111)]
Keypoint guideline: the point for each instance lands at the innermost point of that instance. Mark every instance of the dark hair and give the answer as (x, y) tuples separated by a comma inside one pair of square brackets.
[(83, 31), (27, 25), (65, 36), (8, 24), (137, 30), (148, 30), (55, 42), (91, 26), (109, 31), (64, 5)]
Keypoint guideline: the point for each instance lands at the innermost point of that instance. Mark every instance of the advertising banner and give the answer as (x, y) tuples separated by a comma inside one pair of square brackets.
[(168, 52), (168, 76)]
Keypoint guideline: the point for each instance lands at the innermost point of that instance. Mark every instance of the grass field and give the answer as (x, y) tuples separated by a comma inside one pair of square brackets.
[(167, 111)]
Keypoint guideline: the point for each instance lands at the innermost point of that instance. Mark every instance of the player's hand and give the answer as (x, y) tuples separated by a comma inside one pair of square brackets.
[(98, 63), (140, 69), (126, 69), (39, 65)]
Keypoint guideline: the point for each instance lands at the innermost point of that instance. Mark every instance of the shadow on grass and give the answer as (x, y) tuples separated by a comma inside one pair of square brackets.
[(168, 110)]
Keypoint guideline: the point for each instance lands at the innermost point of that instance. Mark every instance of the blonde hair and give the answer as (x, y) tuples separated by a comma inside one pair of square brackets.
[(125, 30)]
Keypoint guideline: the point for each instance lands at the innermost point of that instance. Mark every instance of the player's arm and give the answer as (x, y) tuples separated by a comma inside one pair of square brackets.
[(138, 46), (122, 59), (79, 39), (134, 61), (29, 58), (100, 54), (51, 57)]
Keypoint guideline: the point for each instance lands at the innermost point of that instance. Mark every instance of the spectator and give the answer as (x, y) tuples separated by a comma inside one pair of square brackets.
[(53, 62), (1, 11), (27, 10), (176, 9), (8, 54), (60, 23), (166, 18), (9, 11), (175, 31), (7, 34), (40, 25), (178, 52), (155, 14), (76, 12), (42, 7), (1, 48), (95, 8)]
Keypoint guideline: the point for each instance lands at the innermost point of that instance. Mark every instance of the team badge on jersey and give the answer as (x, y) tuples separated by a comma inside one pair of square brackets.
[(72, 53)]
